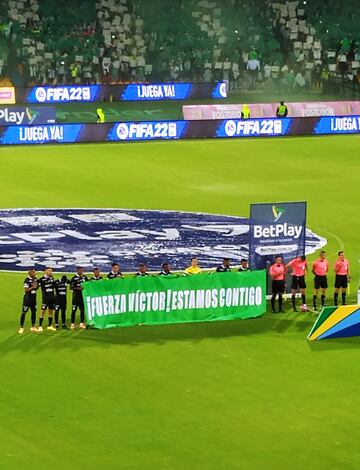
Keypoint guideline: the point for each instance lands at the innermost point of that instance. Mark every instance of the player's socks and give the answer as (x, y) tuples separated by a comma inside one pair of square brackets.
[(56, 317), (293, 302), (22, 320), (280, 303), (323, 300), (41, 319), (33, 318), (343, 296), (50, 319), (273, 303), (303, 299), (314, 301), (336, 295), (63, 318)]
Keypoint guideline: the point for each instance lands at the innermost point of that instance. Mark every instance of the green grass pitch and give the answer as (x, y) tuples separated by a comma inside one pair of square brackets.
[(231, 395)]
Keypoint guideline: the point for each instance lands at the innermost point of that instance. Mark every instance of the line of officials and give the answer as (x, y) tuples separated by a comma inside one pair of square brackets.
[(298, 268)]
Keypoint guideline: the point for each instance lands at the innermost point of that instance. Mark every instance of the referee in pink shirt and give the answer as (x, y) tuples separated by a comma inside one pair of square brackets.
[(320, 269), (299, 268), (342, 277), (277, 273)]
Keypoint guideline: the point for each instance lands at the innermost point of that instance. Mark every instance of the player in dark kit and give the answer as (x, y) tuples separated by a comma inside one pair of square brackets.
[(142, 270), (244, 265), (165, 270), (77, 299), (61, 301), (224, 267), (29, 301), (96, 275), (47, 284), (115, 271)]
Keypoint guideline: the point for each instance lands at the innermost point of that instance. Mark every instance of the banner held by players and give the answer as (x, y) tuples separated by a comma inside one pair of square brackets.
[(174, 299)]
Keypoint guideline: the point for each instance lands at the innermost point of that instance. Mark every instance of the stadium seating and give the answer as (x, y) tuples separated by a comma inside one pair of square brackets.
[(298, 44)]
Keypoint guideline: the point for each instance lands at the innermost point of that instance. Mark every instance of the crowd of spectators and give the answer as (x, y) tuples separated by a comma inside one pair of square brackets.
[(251, 44)]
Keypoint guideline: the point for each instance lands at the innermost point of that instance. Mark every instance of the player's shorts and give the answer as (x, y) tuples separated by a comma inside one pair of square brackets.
[(29, 306), (320, 282), (78, 302), (60, 302), (29, 302), (298, 282), (48, 302), (341, 280), (278, 287)]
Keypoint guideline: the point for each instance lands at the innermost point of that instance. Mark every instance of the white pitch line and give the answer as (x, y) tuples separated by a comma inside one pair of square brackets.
[(338, 239)]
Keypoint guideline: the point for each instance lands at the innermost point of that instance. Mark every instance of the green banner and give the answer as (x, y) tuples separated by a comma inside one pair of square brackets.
[(153, 300)]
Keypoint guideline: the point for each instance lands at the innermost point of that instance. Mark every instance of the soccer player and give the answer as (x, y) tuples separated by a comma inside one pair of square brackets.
[(47, 284), (342, 277), (224, 267), (29, 301), (96, 275), (244, 265), (142, 270), (77, 299), (61, 301), (299, 269), (194, 267), (165, 269), (320, 269), (277, 273), (115, 271)]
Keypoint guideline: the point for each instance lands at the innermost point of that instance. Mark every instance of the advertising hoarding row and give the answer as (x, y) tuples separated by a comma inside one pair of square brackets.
[(172, 130), (268, 110), (129, 92)]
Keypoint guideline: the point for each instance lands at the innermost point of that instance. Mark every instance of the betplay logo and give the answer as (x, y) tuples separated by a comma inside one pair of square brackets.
[(277, 212)]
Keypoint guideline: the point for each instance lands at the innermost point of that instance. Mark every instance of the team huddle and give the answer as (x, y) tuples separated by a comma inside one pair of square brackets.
[(54, 291), (298, 268)]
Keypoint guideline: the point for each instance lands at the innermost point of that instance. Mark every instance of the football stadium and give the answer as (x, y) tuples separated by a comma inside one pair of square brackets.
[(179, 234)]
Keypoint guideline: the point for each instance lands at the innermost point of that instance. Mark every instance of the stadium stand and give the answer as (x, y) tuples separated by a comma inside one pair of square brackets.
[(291, 45), (123, 51)]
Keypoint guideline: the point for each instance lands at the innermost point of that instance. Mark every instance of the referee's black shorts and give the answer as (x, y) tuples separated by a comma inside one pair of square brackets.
[(278, 287), (341, 280), (320, 282), (298, 282)]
